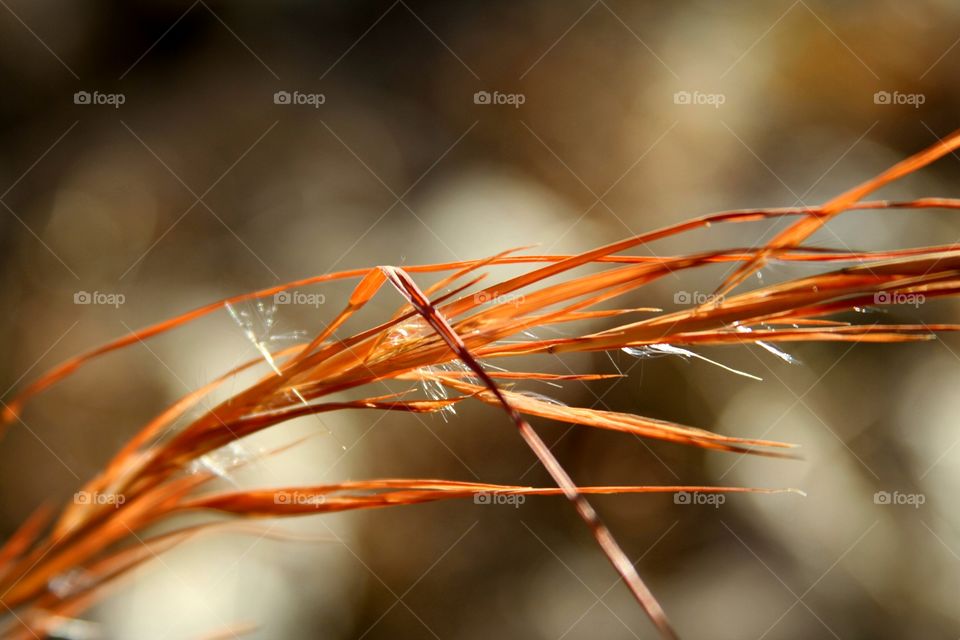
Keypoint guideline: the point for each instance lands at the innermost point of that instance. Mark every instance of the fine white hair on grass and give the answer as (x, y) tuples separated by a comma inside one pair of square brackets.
[(258, 338), (783, 355), (654, 350)]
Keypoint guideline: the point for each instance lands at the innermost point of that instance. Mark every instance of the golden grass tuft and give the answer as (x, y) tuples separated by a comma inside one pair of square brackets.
[(449, 323)]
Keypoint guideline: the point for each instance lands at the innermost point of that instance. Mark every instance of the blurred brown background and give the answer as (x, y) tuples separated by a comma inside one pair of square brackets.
[(634, 114)]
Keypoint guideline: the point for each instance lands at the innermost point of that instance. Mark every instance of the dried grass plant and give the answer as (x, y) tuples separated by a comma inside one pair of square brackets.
[(444, 337)]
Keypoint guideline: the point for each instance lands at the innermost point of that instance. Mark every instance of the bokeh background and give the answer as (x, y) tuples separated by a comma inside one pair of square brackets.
[(199, 185)]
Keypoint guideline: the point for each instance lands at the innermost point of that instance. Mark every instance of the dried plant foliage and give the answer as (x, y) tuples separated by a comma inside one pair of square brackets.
[(444, 338)]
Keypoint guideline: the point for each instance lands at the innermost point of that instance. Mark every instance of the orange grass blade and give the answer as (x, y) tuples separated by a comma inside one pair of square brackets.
[(367, 494), (625, 422), (804, 228)]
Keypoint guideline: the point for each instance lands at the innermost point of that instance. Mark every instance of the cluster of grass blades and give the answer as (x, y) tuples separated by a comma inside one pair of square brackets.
[(459, 320)]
